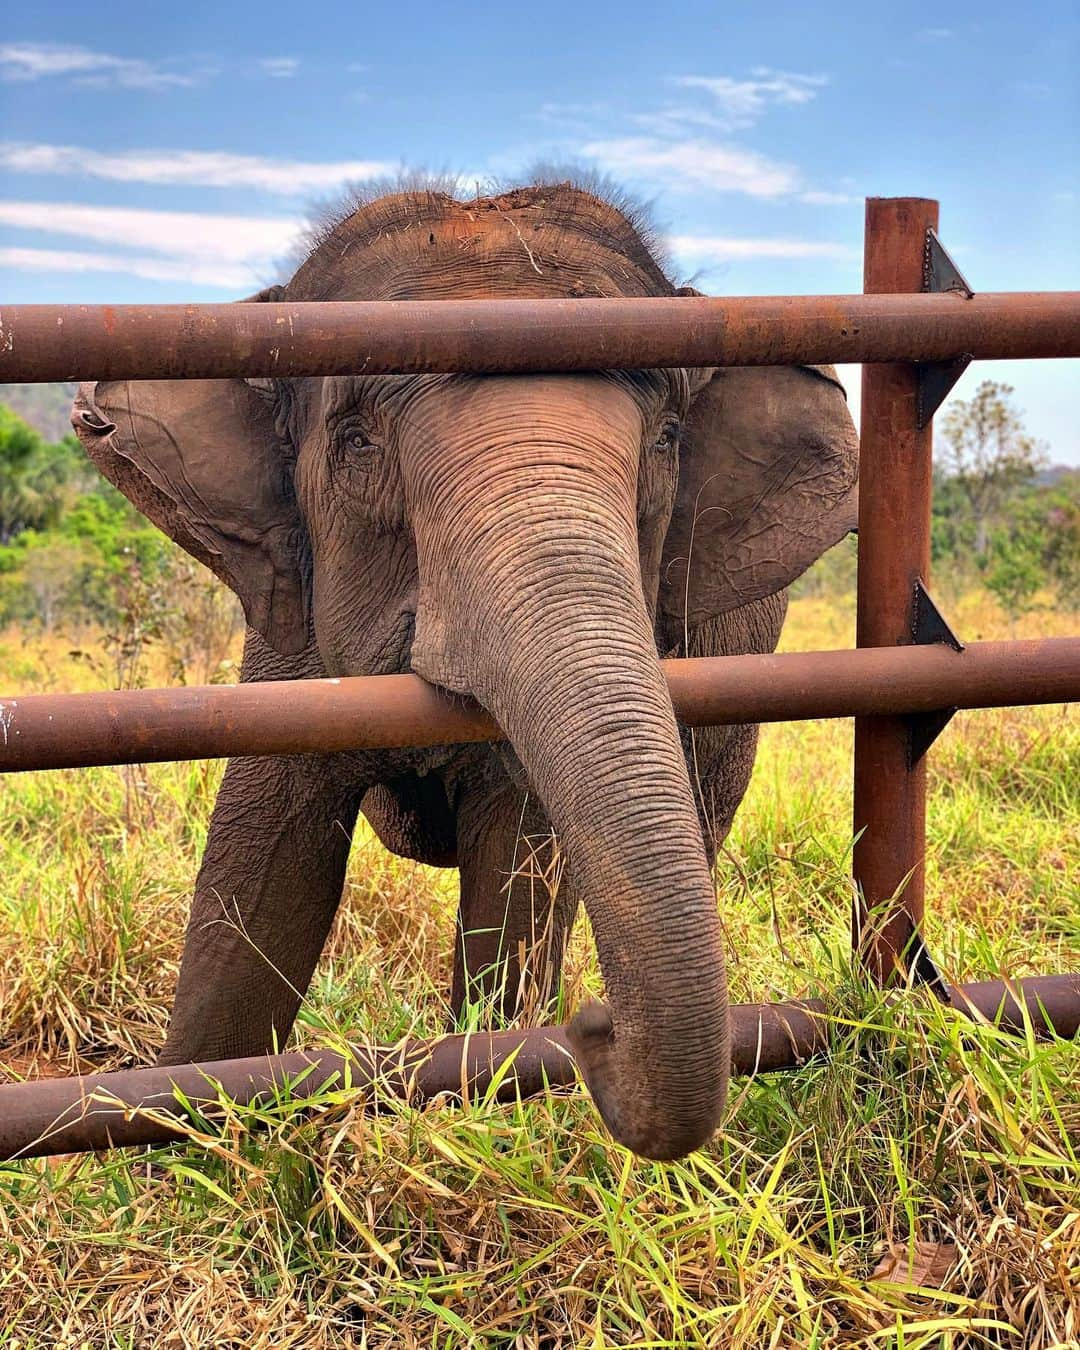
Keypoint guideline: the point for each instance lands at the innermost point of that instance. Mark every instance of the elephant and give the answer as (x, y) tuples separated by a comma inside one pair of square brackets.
[(535, 541)]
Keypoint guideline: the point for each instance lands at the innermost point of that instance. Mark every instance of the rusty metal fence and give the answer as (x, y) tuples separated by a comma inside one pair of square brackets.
[(915, 329)]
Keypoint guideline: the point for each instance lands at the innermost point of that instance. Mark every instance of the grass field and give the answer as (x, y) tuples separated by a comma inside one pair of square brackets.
[(920, 1189)]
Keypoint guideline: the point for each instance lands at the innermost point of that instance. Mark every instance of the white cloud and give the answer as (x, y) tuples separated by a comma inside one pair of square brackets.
[(717, 249), (673, 119), (203, 168), (741, 102), (475, 183), (935, 34), (828, 198), (695, 163), (672, 146), (279, 67), (45, 60), (240, 248), (228, 276)]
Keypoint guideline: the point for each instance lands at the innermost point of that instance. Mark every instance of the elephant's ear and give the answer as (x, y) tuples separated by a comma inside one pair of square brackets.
[(202, 460), (768, 475)]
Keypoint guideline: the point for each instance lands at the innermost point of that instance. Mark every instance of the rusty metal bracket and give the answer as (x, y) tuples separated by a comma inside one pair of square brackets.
[(928, 625), (940, 273), (923, 969), (936, 378)]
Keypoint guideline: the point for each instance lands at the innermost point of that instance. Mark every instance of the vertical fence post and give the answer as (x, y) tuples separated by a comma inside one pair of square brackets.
[(894, 552)]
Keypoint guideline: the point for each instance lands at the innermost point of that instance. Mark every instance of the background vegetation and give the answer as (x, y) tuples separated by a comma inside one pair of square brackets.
[(1003, 518), (76, 558), (922, 1188)]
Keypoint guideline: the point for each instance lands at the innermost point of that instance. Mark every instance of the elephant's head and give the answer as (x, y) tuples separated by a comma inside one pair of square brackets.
[(522, 539)]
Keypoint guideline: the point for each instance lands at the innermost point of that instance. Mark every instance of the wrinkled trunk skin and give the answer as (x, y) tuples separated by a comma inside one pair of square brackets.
[(537, 610)]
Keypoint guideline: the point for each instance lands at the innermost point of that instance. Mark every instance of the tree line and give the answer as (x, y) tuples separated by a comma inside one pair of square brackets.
[(76, 557), (1000, 518)]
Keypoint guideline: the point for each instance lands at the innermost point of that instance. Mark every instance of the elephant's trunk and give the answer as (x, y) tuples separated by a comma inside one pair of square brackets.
[(541, 616), (589, 714)]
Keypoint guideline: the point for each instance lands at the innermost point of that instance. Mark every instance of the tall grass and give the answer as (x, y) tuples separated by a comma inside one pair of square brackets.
[(921, 1188)]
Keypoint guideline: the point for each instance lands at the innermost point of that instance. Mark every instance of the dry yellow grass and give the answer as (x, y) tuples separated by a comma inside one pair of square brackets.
[(525, 1226)]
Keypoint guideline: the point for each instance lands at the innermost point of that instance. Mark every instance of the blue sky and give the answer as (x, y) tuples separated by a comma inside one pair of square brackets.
[(164, 153)]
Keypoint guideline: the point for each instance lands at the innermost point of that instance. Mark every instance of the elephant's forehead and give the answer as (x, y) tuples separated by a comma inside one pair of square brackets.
[(523, 244)]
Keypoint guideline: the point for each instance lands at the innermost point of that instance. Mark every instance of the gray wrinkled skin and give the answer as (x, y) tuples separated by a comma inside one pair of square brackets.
[(538, 542)]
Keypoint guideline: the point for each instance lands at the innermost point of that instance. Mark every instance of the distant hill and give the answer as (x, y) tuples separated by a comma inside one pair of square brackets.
[(47, 407), (1053, 474)]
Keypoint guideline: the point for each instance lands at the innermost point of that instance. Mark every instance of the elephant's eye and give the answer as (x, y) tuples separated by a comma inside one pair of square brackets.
[(359, 442), (668, 437)]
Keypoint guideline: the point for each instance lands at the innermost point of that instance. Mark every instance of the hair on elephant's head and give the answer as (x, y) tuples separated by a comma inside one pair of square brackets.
[(524, 539)]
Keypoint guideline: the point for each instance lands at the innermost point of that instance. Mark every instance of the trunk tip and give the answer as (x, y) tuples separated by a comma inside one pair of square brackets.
[(639, 1115), (592, 1026)]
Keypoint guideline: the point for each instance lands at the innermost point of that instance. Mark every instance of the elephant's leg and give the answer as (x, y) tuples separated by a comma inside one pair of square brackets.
[(267, 891), (517, 907), (720, 761)]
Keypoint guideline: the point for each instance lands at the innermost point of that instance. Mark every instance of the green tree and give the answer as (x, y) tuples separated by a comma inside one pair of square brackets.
[(51, 572), (20, 448), (1015, 568), (1063, 541), (986, 456), (70, 544), (37, 480)]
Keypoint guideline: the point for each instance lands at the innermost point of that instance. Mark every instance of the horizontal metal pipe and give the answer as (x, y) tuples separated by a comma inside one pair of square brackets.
[(98, 342), (66, 1115), (58, 731)]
